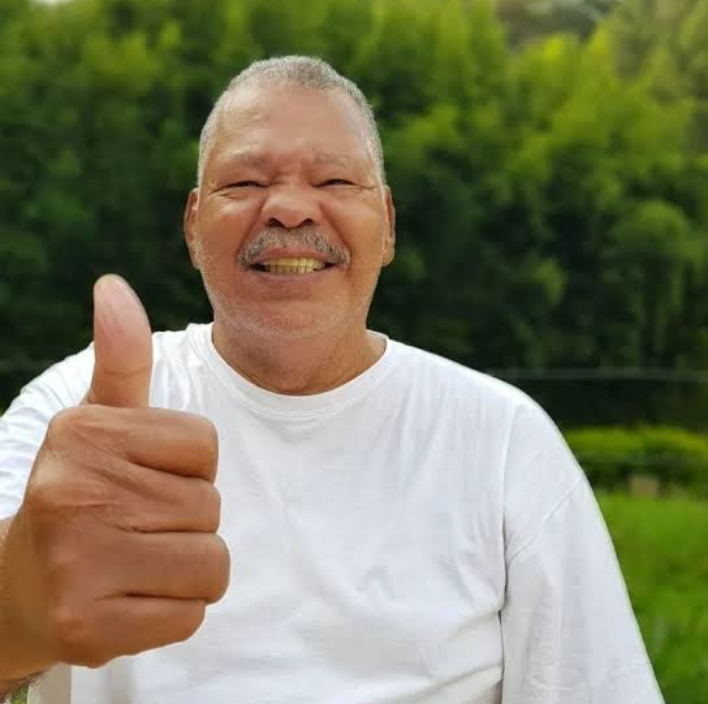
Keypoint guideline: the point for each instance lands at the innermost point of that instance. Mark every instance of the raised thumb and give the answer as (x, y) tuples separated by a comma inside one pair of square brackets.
[(122, 346)]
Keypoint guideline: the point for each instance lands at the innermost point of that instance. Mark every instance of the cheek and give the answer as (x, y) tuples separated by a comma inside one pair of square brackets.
[(363, 230), (222, 229)]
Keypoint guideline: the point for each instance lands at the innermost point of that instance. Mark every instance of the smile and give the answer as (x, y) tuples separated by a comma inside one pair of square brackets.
[(292, 266)]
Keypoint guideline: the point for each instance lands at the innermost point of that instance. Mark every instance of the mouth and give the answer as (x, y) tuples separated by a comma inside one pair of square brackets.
[(292, 266)]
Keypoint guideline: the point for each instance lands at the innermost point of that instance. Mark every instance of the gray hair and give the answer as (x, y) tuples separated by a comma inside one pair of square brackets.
[(302, 71)]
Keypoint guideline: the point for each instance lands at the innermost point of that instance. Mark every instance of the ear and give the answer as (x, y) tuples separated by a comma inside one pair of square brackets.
[(390, 242), (189, 225)]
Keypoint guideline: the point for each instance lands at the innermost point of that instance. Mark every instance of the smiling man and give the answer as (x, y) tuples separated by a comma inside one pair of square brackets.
[(283, 505)]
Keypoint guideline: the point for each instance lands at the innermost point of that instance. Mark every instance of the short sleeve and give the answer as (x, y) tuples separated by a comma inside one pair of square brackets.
[(568, 629), (24, 424)]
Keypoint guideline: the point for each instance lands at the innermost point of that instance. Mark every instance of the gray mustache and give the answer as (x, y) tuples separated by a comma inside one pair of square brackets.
[(281, 237)]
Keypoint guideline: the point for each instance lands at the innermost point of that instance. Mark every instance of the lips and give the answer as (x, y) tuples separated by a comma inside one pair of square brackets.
[(273, 255), (289, 282), (291, 265)]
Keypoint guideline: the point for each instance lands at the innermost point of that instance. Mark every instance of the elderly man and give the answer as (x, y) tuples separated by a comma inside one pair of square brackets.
[(392, 527)]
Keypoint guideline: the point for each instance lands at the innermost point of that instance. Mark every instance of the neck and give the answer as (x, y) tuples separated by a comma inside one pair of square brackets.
[(298, 367)]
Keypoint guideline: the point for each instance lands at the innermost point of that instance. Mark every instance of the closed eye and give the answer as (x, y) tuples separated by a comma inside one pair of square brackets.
[(246, 184), (337, 182)]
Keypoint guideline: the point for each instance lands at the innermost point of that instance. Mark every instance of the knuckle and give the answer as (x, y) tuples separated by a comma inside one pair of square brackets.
[(190, 623), (45, 496), (80, 425), (75, 634), (208, 444), (212, 509), (39, 496), (71, 632), (221, 570), (64, 424), (59, 564)]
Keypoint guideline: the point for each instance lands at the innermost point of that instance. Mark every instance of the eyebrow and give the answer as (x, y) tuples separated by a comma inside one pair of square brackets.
[(244, 157), (256, 159), (321, 158)]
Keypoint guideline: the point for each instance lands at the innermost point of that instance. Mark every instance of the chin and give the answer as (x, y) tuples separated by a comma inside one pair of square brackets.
[(289, 325)]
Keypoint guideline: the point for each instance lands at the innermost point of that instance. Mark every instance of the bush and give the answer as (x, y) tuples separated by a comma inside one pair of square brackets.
[(676, 458)]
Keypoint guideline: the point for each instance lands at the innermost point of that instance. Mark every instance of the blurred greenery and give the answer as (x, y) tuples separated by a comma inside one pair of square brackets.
[(677, 459), (661, 545), (548, 161)]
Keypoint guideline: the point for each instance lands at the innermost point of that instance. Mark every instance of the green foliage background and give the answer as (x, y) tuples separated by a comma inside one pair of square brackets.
[(661, 548), (549, 174), (677, 460)]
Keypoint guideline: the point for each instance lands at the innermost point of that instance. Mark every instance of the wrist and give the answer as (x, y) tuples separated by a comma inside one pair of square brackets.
[(21, 659)]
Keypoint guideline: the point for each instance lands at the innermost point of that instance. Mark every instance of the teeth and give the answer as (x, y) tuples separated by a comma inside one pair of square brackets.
[(293, 266)]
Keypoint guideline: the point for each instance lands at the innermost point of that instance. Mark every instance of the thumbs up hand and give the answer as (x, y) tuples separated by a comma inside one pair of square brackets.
[(114, 550)]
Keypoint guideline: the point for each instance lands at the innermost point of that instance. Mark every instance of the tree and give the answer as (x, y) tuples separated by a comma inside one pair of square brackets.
[(551, 205)]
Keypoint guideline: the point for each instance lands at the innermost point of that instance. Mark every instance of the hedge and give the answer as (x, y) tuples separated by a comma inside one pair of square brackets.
[(610, 456)]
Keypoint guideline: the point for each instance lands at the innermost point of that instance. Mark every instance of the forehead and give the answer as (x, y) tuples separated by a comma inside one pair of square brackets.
[(289, 121)]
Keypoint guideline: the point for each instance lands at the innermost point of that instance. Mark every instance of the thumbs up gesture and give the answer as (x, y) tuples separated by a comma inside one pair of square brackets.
[(114, 550)]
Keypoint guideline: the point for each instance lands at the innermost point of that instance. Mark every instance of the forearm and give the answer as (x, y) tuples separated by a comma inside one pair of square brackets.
[(18, 666)]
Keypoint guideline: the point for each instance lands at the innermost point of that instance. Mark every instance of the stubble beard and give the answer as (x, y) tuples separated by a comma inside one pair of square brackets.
[(241, 320)]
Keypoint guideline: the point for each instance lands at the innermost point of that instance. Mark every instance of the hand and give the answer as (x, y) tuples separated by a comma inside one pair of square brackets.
[(114, 550)]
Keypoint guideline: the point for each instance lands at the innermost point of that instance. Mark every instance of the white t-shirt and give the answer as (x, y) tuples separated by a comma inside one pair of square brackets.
[(421, 534)]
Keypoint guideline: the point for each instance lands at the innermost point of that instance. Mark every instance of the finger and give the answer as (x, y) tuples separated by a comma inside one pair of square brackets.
[(131, 625), (122, 346), (176, 565), (156, 502), (155, 438), (172, 441)]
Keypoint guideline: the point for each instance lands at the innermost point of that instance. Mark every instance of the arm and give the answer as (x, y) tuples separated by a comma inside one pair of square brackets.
[(568, 629), (17, 665), (22, 429), (112, 484)]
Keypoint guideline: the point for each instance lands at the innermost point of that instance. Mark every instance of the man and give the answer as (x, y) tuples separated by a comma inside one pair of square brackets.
[(392, 527)]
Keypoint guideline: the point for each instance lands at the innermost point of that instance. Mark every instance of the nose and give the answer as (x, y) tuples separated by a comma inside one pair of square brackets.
[(290, 207)]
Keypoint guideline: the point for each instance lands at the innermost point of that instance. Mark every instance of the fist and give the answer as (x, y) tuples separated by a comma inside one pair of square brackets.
[(114, 550)]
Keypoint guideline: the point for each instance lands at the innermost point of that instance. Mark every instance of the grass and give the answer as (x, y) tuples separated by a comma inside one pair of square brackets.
[(662, 545)]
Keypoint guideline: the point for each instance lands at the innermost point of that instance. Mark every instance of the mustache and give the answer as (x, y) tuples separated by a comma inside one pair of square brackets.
[(289, 237)]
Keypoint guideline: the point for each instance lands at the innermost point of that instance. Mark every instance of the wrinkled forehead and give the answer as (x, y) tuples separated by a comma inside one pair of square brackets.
[(291, 121)]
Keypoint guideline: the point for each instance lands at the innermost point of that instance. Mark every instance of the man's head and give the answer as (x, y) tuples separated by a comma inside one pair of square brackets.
[(290, 167)]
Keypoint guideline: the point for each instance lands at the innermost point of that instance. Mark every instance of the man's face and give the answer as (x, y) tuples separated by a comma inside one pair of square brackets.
[(290, 175)]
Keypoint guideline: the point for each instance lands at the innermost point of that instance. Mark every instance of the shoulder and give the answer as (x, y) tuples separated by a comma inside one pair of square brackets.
[(491, 402), (66, 382), (469, 390), (538, 469)]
